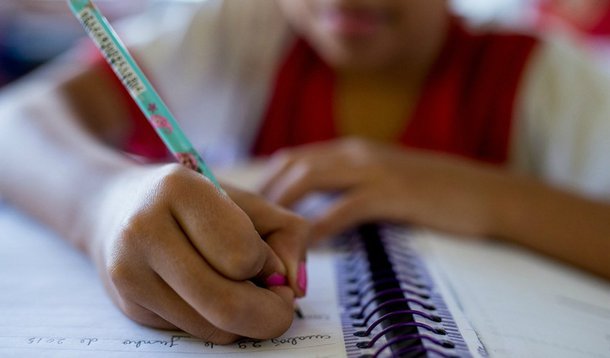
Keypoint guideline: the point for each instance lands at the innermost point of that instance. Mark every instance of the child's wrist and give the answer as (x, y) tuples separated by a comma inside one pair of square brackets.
[(103, 208), (510, 207)]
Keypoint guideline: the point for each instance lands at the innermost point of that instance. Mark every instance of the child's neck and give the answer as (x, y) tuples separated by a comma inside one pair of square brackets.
[(377, 105)]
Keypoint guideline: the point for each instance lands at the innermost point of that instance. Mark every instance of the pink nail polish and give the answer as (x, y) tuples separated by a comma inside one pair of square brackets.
[(276, 280), (302, 277)]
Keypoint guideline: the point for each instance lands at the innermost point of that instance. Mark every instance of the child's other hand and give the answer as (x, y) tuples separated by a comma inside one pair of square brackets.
[(175, 253), (385, 182)]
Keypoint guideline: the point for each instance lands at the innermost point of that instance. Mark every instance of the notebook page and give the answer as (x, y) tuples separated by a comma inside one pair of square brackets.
[(53, 305), (520, 304)]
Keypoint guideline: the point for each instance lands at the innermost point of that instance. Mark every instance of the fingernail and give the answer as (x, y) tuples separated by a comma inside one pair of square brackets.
[(276, 280), (302, 277)]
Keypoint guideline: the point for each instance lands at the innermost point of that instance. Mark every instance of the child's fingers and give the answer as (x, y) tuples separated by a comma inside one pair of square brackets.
[(223, 234), (285, 232), (161, 308), (241, 308), (283, 161), (144, 316), (349, 211), (166, 310), (332, 165), (276, 169), (307, 176), (291, 248), (145, 298)]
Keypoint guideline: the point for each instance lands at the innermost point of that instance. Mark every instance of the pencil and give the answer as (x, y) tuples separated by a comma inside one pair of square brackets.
[(141, 90), (139, 87)]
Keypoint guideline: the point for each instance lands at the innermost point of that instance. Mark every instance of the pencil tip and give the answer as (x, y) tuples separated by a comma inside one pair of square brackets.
[(298, 312)]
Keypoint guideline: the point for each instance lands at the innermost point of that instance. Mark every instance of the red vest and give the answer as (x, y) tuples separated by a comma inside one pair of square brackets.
[(465, 106)]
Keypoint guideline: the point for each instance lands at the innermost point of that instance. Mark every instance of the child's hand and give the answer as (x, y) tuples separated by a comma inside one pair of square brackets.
[(384, 182), (175, 253)]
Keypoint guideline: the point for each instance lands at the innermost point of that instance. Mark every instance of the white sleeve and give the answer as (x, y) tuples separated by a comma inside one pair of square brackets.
[(562, 128), (213, 63)]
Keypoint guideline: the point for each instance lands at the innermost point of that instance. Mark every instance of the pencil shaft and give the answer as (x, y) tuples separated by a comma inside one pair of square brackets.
[(140, 89)]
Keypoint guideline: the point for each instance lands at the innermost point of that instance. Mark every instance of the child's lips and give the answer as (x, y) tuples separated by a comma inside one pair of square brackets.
[(354, 23)]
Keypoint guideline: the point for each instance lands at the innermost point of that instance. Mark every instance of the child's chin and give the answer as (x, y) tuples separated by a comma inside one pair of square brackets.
[(358, 59)]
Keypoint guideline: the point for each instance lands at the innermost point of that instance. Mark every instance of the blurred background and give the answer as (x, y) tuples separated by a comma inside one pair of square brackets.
[(34, 31)]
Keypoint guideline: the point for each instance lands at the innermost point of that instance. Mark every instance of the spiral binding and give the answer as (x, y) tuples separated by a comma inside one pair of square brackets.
[(390, 305)]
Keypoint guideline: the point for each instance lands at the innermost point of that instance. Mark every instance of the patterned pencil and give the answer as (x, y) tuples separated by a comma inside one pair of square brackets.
[(140, 89)]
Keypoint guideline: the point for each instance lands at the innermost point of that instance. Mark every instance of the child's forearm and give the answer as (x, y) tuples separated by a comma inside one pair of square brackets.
[(443, 192), (157, 234), (561, 224), (51, 166)]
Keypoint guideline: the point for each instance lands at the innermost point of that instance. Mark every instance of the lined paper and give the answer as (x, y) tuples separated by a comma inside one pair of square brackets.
[(53, 305), (519, 303)]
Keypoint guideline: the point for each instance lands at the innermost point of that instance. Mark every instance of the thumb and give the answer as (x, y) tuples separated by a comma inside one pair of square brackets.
[(274, 272), (287, 237), (274, 276)]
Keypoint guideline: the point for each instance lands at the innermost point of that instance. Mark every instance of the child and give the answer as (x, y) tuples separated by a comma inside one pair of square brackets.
[(455, 130)]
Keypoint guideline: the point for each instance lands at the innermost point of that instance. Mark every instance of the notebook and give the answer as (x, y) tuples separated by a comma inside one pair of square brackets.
[(377, 291), (390, 304)]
